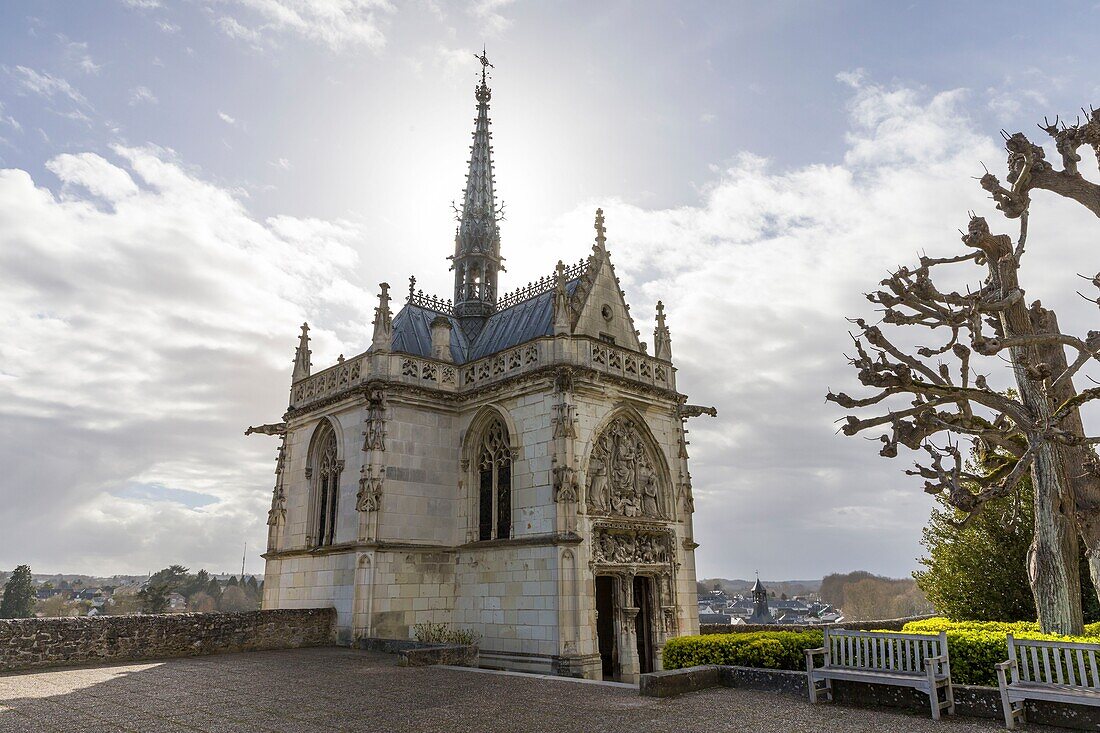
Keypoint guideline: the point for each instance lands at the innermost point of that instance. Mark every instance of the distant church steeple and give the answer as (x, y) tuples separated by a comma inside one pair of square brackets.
[(477, 259), (761, 614)]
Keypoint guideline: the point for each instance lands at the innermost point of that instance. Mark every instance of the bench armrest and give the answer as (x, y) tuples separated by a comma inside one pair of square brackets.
[(1005, 665), (818, 652), (938, 663)]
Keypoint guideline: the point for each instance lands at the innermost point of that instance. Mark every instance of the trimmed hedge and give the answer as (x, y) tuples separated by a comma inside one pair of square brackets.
[(975, 647), (769, 649)]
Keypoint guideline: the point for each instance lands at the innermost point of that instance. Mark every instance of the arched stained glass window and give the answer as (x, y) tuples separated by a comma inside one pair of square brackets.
[(326, 484), (495, 484)]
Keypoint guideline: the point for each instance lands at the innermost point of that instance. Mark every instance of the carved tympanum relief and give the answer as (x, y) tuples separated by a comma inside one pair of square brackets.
[(622, 475), (613, 546)]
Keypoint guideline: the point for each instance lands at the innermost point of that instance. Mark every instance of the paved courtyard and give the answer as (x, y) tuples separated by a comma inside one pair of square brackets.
[(315, 690)]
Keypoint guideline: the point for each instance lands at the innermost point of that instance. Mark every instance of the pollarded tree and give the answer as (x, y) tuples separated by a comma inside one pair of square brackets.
[(930, 396)]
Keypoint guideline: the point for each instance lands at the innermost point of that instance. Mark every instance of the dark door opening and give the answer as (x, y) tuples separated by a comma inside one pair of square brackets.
[(643, 628), (605, 624)]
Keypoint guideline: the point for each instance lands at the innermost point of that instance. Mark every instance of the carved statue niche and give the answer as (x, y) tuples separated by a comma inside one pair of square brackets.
[(623, 477)]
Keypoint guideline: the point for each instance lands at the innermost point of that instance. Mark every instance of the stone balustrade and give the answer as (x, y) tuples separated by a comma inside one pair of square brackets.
[(456, 378)]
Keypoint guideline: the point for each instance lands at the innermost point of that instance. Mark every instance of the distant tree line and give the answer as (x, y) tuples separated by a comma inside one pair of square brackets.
[(201, 592), (863, 596)]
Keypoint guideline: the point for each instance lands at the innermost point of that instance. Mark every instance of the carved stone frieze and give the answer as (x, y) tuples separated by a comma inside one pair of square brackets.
[(622, 475), (631, 546)]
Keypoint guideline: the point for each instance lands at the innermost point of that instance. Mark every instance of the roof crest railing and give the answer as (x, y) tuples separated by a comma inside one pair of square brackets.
[(540, 286), (431, 302)]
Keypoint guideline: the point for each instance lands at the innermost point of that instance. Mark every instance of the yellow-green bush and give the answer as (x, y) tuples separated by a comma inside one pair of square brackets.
[(770, 649), (975, 647)]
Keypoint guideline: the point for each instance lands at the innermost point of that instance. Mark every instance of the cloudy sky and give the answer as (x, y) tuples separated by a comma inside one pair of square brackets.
[(184, 182)]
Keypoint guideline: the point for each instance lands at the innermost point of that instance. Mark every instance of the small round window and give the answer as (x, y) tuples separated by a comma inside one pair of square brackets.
[(606, 312)]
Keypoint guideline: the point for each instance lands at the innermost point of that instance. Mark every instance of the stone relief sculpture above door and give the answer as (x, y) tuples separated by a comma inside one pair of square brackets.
[(623, 476)]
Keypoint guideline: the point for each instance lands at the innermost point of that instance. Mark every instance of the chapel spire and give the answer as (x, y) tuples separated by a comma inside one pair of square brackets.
[(477, 259)]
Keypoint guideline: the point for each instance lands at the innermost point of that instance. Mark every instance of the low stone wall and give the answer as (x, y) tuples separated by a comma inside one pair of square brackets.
[(32, 643), (891, 624)]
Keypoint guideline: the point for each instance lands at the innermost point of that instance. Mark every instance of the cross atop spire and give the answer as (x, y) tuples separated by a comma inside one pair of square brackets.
[(485, 65)]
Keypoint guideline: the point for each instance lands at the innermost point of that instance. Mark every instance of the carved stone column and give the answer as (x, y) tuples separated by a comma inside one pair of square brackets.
[(563, 461), (373, 473)]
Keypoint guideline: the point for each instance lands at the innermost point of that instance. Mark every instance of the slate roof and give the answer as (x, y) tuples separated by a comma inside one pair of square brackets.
[(529, 319)]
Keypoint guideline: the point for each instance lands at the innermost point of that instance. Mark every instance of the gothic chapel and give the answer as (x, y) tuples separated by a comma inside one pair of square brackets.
[(515, 465)]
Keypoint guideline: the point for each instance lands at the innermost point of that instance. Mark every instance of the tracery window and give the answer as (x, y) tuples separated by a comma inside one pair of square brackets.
[(495, 484), (326, 467)]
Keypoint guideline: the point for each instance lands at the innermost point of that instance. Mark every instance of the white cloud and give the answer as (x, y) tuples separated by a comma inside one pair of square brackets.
[(142, 95), (77, 53), (167, 27), (150, 318), (338, 24), (142, 4), (452, 60), (281, 164), (707, 118), (488, 13), (226, 118), (758, 279), (9, 120), (47, 85)]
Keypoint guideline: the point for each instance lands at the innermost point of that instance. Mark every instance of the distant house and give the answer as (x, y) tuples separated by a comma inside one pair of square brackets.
[(715, 618), (176, 603)]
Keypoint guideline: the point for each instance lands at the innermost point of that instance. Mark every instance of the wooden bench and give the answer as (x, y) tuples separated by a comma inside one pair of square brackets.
[(1056, 671), (919, 661)]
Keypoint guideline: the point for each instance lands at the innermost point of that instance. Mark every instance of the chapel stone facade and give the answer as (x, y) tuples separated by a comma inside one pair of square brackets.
[(515, 465)]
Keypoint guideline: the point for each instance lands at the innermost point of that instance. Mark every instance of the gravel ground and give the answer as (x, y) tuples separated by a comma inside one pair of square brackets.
[(315, 690)]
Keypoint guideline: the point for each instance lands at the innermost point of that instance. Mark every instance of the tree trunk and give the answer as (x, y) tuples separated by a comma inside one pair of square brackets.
[(1082, 483), (1053, 563), (1055, 582)]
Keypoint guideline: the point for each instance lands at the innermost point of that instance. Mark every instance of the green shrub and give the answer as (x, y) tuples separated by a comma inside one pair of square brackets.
[(769, 649), (975, 647)]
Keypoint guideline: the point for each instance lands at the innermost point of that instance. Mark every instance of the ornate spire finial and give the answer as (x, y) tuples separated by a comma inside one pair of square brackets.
[(662, 339), (412, 285), (485, 65), (383, 320), (601, 231), (562, 320), (301, 355)]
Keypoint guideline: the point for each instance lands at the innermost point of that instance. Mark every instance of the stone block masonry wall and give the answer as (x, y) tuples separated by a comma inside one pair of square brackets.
[(48, 642)]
